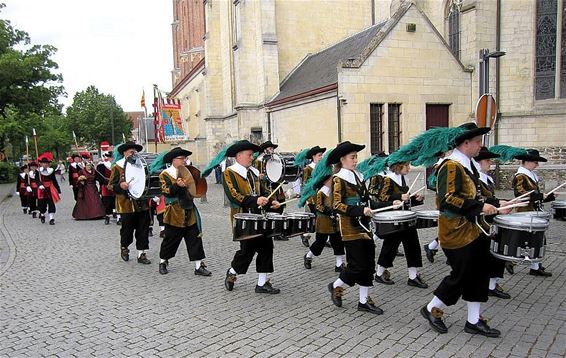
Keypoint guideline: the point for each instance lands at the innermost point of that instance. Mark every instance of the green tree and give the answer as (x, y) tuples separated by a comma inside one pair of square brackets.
[(93, 115), (28, 82)]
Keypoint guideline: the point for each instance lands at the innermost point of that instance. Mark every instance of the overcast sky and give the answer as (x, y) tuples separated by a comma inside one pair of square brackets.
[(119, 46)]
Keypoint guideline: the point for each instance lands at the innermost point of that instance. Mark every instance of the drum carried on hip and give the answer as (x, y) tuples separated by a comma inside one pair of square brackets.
[(389, 222), (281, 167), (427, 218), (559, 209), (248, 226), (141, 185), (519, 238), (299, 223)]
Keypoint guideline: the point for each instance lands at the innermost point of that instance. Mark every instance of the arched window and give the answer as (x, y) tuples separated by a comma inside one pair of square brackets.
[(550, 54), (453, 18)]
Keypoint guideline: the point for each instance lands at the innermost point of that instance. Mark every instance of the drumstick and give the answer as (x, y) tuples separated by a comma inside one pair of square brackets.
[(518, 205), (288, 201), (555, 189), (395, 206), (273, 192), (421, 189), (414, 182), (520, 197)]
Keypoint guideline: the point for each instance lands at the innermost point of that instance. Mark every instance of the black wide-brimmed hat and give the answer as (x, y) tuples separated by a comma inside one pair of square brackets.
[(267, 144), (315, 150), (486, 154), (75, 155), (342, 149), (129, 145), (531, 156), (32, 164), (240, 146), (107, 154), (174, 153), (471, 130)]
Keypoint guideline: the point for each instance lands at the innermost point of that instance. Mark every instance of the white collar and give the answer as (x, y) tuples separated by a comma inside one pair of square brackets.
[(461, 158), (255, 171), (172, 171), (312, 165), (325, 190), (46, 172), (74, 165), (23, 175), (240, 169), (349, 176), (121, 162), (530, 174), (32, 174), (107, 164), (397, 178), (486, 178)]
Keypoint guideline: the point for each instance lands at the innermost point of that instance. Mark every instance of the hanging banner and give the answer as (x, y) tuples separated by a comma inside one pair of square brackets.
[(171, 127)]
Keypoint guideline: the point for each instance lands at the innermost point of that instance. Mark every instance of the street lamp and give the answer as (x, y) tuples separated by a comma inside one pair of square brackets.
[(485, 55)]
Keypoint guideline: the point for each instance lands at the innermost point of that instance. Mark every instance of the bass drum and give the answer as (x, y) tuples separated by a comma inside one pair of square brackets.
[(280, 167), (141, 185)]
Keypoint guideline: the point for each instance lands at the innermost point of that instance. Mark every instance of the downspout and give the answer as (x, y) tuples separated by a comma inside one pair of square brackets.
[(497, 71), (269, 126), (372, 12), (339, 118)]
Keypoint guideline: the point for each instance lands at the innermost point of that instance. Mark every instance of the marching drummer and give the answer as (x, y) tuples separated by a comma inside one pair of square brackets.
[(524, 181), (243, 189), (467, 249), (134, 213), (352, 202), (314, 154), (181, 218), (267, 187), (48, 188), (394, 187), (496, 266)]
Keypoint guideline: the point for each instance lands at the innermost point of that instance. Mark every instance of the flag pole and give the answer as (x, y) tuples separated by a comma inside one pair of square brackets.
[(155, 114), (27, 149), (35, 141)]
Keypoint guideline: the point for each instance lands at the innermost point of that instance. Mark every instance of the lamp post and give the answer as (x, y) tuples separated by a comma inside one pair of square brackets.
[(485, 55)]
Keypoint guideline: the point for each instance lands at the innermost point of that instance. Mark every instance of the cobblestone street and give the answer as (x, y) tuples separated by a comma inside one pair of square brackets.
[(66, 292)]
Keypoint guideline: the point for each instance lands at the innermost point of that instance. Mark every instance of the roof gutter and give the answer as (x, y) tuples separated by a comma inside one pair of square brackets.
[(295, 97)]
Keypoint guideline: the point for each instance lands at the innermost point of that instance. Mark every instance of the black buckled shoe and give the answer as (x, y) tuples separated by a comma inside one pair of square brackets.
[(125, 254), (163, 268), (280, 238), (417, 282), (202, 270), (42, 218), (229, 280), (52, 222), (267, 288), (307, 262), (385, 278), (336, 294), (499, 293), (510, 267), (25, 210), (339, 268), (540, 272), (481, 328), (305, 240), (429, 253), (106, 220), (434, 318), (370, 307), (33, 214), (142, 259)]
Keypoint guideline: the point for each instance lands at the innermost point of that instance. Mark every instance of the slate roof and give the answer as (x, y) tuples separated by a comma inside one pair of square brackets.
[(320, 69)]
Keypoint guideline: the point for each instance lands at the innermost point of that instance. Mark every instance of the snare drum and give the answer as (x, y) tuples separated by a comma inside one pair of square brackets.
[(390, 222), (276, 225), (545, 215), (281, 167), (519, 238), (248, 226), (297, 224), (427, 218), (559, 209), (141, 185), (312, 222)]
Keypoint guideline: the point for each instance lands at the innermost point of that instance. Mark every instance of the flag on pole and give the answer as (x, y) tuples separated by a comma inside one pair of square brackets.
[(34, 132), (27, 141), (74, 136), (142, 102)]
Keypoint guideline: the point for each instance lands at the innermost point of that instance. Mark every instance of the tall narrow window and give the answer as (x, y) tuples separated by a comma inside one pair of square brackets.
[(454, 29), (236, 29), (545, 67), (394, 126), (376, 127)]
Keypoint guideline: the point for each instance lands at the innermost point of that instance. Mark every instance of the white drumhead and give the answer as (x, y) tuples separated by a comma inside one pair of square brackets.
[(274, 168), (428, 214), (134, 174), (394, 215), (519, 222)]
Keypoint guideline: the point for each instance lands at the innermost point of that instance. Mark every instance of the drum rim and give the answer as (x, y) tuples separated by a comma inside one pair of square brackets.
[(251, 216), (558, 204), (408, 216), (545, 216)]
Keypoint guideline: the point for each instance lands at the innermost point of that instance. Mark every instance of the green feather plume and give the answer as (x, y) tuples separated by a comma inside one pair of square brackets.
[(507, 152), (432, 181), (321, 172), (435, 140), (301, 158), (255, 155), (375, 167), (216, 160), (115, 154), (365, 164), (158, 165)]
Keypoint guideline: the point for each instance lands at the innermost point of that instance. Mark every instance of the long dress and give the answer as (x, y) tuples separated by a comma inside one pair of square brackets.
[(88, 205)]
